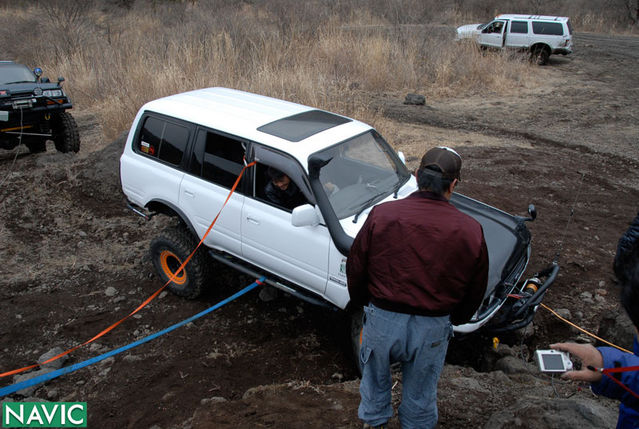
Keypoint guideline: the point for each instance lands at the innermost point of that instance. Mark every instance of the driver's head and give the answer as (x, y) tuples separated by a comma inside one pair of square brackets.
[(278, 178)]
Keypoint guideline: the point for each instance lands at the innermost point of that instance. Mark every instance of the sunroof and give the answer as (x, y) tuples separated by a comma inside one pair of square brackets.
[(298, 127)]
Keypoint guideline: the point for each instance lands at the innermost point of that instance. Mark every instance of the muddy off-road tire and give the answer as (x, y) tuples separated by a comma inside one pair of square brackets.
[(169, 250), (540, 56), (357, 325), (66, 136)]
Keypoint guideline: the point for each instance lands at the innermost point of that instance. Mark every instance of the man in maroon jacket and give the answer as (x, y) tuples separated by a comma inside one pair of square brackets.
[(418, 265)]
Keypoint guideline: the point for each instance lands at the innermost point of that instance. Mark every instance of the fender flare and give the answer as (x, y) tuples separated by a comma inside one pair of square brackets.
[(539, 45), (169, 209)]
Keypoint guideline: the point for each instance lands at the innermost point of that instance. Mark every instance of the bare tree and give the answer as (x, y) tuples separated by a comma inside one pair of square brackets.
[(632, 7)]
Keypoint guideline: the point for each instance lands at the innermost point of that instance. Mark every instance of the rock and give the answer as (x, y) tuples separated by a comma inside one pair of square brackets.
[(28, 391), (132, 358), (213, 400), (52, 394), (586, 297), (616, 327), (268, 294), (110, 291), (565, 313), (415, 99), (513, 365), (468, 383), (168, 396), (537, 413), (56, 364)]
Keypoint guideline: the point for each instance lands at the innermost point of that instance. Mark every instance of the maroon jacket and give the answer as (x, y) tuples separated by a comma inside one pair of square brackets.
[(419, 255)]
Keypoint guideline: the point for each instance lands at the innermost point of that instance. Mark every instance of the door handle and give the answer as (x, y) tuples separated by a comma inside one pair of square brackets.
[(189, 193), (252, 220)]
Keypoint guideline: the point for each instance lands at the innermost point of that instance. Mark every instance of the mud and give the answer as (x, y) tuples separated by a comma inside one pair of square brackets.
[(570, 147)]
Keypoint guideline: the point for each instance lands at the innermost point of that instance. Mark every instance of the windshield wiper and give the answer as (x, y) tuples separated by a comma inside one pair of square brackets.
[(19, 81), (366, 204)]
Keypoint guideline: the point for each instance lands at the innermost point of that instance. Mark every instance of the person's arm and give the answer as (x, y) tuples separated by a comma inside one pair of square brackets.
[(357, 265), (475, 291), (604, 357), (627, 245), (588, 355)]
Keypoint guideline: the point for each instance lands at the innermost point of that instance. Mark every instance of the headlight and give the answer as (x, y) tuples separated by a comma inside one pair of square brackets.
[(52, 93)]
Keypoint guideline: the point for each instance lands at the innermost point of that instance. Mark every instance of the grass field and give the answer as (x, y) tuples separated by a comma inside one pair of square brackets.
[(116, 55)]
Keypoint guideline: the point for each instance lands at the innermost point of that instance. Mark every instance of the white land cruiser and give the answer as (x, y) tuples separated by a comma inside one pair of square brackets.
[(537, 34), (184, 152)]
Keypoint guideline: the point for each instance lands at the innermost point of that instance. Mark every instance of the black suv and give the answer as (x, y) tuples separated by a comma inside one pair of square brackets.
[(33, 110)]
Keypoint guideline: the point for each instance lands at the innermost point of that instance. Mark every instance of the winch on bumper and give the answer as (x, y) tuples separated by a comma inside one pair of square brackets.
[(521, 305)]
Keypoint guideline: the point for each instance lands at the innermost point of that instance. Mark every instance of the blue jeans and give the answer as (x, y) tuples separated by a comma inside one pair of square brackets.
[(419, 343)]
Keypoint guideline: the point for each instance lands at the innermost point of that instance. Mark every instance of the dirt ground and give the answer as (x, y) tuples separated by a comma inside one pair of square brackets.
[(74, 260)]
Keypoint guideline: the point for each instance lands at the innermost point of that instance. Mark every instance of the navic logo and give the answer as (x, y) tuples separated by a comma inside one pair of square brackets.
[(44, 414)]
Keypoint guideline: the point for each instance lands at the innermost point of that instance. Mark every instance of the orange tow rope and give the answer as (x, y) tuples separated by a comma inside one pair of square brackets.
[(149, 299)]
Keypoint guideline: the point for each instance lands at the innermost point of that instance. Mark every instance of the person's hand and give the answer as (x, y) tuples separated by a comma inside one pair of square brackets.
[(330, 188), (589, 356)]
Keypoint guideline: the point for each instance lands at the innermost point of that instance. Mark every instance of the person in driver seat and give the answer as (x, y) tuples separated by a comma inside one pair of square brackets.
[(282, 191)]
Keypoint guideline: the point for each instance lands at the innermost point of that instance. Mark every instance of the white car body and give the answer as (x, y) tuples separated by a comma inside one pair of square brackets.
[(536, 33), (305, 247)]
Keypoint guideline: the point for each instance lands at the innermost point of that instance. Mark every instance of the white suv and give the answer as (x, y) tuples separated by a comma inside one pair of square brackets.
[(537, 34), (184, 152)]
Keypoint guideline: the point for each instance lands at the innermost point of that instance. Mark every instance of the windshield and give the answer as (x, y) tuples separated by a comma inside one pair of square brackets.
[(361, 171), (13, 73)]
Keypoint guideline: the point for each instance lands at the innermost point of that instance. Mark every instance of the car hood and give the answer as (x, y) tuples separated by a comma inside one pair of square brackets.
[(507, 240), (468, 31), (28, 87)]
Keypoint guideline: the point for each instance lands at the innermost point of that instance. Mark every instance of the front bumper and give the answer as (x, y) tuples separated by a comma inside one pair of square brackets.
[(520, 307)]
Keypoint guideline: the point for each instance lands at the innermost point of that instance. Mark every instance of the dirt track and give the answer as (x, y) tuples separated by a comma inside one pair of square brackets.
[(67, 238)]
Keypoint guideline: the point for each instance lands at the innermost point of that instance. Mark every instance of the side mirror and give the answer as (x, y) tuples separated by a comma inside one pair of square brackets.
[(60, 79), (305, 215), (37, 71), (532, 212), (401, 156)]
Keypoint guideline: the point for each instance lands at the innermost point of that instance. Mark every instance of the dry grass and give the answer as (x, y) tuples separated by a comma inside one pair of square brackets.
[(331, 55)]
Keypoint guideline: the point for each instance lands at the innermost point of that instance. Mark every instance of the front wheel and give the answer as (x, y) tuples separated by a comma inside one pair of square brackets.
[(356, 332), (66, 136), (168, 251)]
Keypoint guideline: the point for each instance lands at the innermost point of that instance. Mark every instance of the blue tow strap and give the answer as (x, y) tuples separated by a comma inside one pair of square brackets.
[(67, 369)]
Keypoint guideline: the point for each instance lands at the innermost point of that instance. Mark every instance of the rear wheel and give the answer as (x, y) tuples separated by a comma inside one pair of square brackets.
[(540, 55), (66, 136), (168, 251)]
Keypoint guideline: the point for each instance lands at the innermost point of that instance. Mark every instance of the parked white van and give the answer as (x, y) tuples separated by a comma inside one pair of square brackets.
[(539, 35)]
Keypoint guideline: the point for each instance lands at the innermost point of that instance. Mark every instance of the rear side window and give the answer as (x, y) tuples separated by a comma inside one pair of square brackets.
[(519, 27), (217, 158), (163, 140), (548, 28)]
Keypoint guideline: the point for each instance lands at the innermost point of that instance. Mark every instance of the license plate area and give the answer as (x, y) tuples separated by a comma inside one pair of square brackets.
[(21, 104)]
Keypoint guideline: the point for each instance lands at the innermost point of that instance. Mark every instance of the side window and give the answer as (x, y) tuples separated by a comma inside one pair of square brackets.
[(494, 27), (548, 28), (519, 27), (163, 140), (274, 187), (217, 158)]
